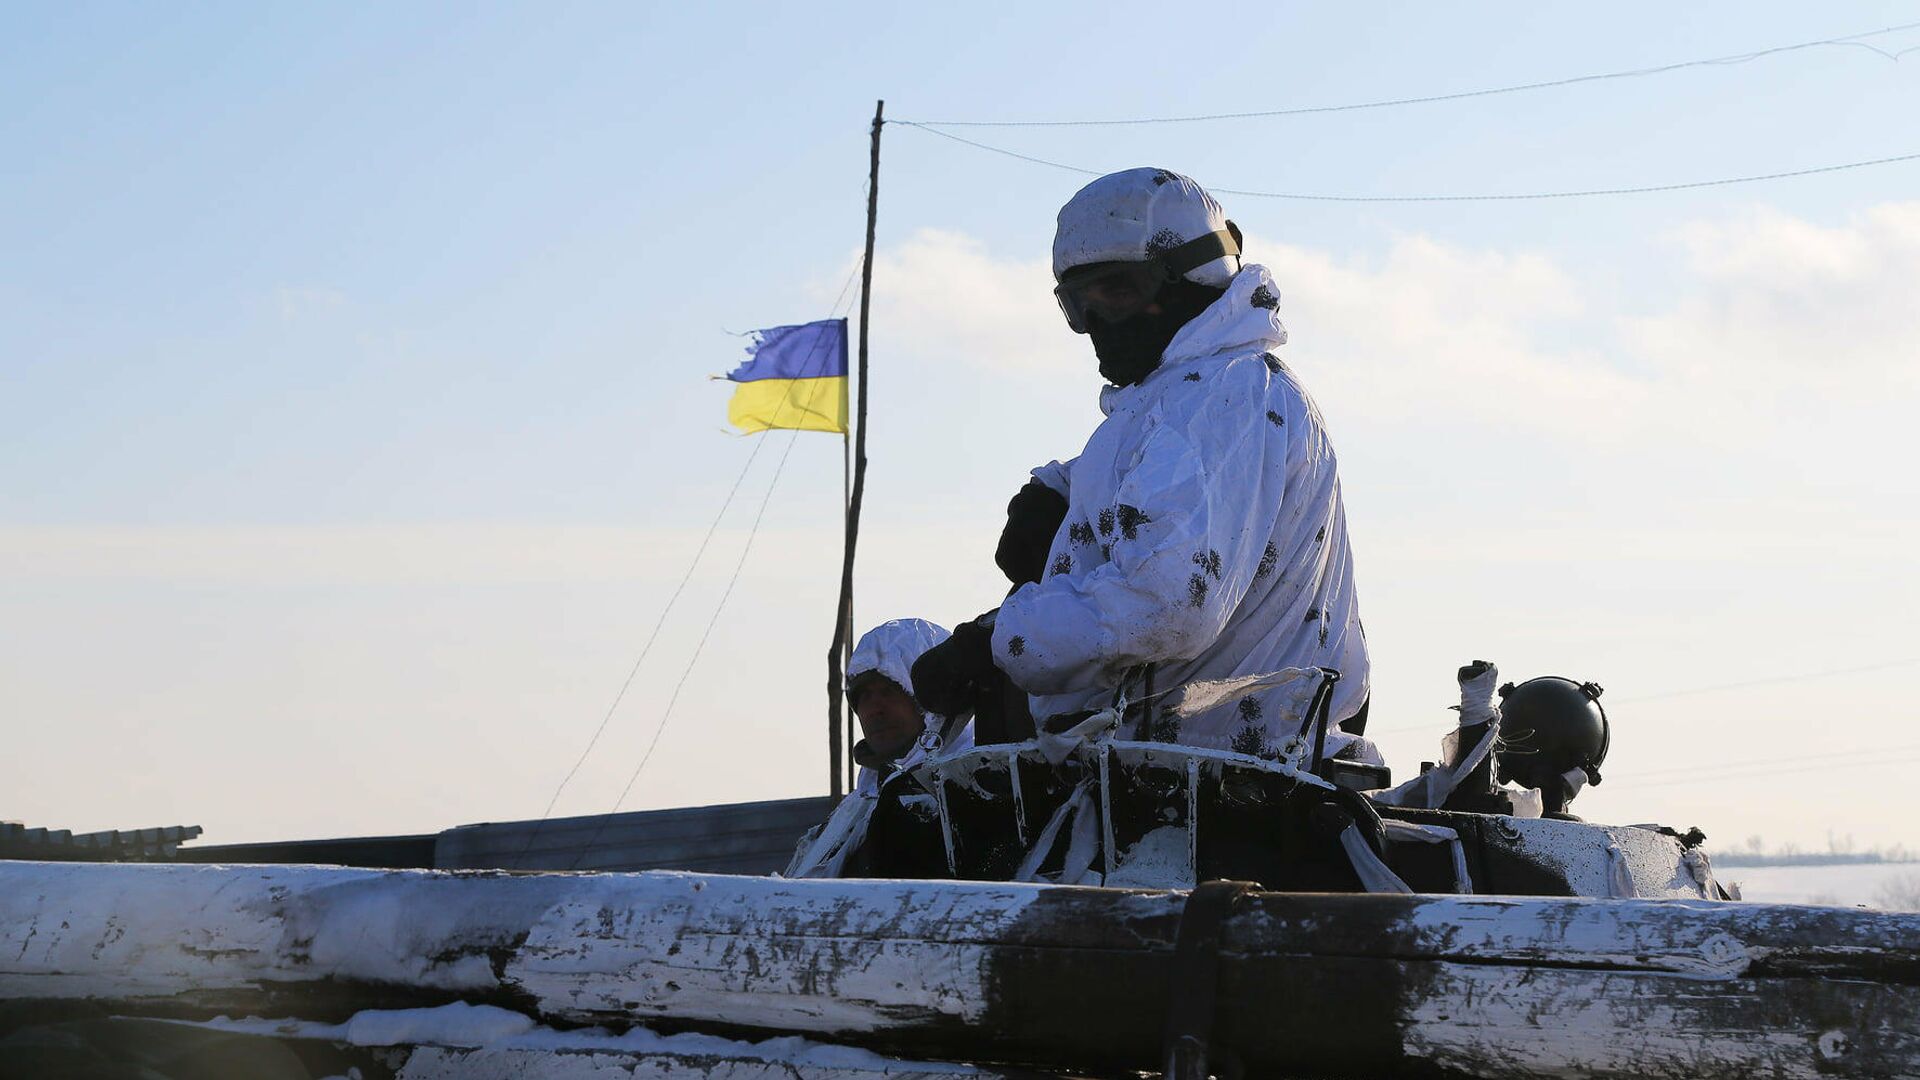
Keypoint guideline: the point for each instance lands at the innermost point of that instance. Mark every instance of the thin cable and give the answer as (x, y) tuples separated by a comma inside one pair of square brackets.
[(1761, 773), (645, 649), (1829, 755), (997, 150), (701, 645), (1496, 197), (1850, 40), (697, 649), (1714, 689), (1771, 681), (701, 551)]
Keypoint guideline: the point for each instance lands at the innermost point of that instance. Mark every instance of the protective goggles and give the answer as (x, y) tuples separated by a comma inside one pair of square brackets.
[(1113, 291)]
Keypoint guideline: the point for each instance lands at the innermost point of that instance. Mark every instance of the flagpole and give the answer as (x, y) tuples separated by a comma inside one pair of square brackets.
[(846, 765), (842, 623), (842, 752)]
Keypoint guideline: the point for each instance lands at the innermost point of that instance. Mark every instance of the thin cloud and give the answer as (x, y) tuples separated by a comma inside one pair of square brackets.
[(1768, 313), (966, 306)]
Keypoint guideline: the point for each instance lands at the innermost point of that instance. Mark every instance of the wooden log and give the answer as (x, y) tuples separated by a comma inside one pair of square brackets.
[(1325, 984)]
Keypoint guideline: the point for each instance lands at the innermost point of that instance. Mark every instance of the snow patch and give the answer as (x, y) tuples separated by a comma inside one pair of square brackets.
[(1157, 860), (458, 1024), (463, 1025)]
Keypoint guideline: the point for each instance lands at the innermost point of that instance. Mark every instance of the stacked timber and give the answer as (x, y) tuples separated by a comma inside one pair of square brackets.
[(1045, 976), (18, 841)]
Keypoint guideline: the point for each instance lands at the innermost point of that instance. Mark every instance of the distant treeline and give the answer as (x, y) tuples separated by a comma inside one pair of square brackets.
[(1840, 851)]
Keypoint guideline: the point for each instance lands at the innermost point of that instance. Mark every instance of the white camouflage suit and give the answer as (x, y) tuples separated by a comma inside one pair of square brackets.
[(1204, 536), (889, 649)]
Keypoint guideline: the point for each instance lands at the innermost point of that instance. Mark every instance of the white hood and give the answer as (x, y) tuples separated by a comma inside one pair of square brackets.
[(889, 649), (1246, 319), (892, 647)]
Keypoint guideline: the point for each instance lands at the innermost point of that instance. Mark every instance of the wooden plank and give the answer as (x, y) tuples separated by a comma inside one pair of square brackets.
[(1049, 976), (733, 838), (385, 852)]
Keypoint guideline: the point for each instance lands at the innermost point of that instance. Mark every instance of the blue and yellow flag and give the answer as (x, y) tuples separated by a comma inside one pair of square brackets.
[(795, 377)]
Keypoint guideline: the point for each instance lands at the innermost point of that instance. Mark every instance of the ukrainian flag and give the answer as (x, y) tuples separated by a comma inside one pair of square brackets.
[(795, 377)]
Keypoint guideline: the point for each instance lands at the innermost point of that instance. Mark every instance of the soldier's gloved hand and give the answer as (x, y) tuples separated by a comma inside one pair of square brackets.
[(1033, 518), (948, 678)]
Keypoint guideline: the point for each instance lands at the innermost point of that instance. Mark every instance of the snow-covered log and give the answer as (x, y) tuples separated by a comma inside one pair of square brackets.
[(1079, 977)]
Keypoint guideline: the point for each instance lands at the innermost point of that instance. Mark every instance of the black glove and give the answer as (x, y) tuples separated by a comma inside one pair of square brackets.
[(948, 678), (1033, 518)]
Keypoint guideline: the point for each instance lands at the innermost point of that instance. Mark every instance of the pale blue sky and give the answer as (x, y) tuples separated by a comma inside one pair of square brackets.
[(354, 422)]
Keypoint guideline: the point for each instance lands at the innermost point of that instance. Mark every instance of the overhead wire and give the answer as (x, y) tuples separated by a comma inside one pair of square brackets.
[(634, 671), (1755, 774), (1441, 725), (933, 127), (1526, 196), (672, 600), (1848, 40), (1787, 760), (1772, 680), (1755, 768), (936, 127), (700, 646)]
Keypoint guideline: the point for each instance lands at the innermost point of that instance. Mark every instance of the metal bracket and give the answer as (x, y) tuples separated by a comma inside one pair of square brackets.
[(1196, 964)]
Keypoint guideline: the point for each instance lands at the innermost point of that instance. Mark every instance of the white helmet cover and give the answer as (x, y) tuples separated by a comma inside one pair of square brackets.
[(1133, 215), (891, 648)]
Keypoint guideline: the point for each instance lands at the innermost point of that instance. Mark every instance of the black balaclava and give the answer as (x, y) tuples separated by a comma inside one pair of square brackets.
[(1129, 349)]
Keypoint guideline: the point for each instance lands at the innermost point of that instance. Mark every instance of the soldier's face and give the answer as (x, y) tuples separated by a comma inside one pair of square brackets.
[(889, 719), (1109, 293)]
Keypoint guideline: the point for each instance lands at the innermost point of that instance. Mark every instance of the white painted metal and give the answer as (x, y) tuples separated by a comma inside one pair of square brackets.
[(1019, 801), (1193, 819), (1654, 861)]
